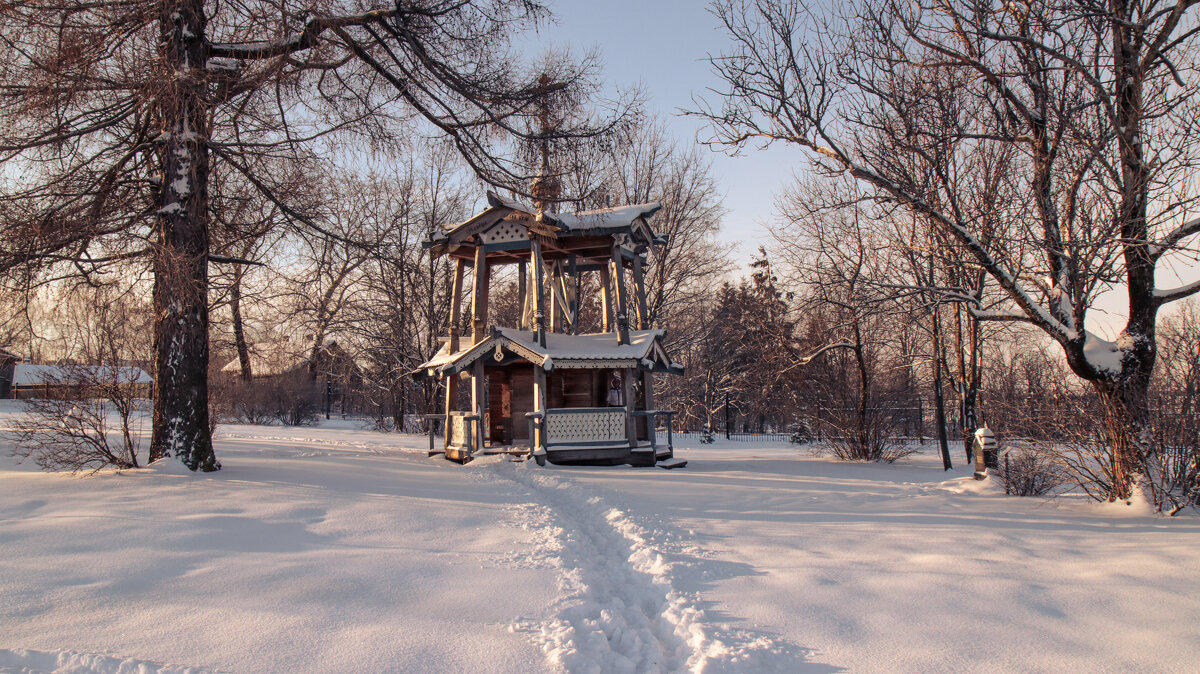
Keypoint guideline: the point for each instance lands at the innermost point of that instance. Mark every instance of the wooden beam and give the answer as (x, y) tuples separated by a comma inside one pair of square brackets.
[(639, 282), (479, 298), (456, 305), (619, 296)]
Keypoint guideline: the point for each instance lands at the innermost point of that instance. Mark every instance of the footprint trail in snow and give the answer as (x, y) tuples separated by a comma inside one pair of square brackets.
[(619, 609)]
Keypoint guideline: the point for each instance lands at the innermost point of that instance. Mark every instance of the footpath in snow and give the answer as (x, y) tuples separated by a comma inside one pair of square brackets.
[(337, 549)]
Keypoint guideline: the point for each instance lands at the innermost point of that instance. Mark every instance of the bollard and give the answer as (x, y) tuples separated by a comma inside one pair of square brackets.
[(985, 452)]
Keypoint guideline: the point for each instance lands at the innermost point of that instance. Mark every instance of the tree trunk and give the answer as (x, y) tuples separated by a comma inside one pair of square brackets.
[(864, 393), (180, 426), (939, 403), (239, 331), (1125, 415), (968, 379)]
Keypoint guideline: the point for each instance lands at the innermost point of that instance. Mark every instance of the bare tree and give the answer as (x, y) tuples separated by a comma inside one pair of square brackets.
[(837, 259), (1095, 103), (116, 111)]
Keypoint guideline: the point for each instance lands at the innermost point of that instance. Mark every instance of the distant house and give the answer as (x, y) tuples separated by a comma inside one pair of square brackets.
[(330, 372), (8, 362), (58, 381)]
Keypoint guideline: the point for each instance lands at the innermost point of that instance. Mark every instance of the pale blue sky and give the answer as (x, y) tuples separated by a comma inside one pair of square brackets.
[(663, 46)]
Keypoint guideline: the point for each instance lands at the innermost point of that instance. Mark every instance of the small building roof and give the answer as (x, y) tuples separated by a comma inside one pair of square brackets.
[(507, 223), (26, 374), (8, 356), (644, 351)]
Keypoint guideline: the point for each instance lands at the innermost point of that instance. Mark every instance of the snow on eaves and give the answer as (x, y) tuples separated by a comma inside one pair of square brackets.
[(25, 374), (606, 217), (560, 347)]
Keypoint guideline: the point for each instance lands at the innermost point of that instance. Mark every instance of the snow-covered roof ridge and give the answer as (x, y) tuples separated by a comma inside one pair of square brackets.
[(26, 374), (589, 221), (561, 350), (606, 217)]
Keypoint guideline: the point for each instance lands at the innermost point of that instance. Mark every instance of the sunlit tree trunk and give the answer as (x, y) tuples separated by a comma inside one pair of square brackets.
[(181, 250)]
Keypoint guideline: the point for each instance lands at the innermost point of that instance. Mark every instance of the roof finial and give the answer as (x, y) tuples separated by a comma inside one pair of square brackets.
[(545, 188)]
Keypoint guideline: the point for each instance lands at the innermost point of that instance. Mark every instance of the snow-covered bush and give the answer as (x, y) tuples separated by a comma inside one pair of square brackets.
[(91, 424), (1028, 470), (871, 447), (801, 434)]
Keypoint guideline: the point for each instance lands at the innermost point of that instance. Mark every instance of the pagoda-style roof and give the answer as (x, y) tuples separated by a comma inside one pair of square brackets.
[(600, 350), (506, 226)]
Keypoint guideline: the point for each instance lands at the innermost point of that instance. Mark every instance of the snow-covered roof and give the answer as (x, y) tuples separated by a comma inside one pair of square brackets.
[(643, 351), (604, 218), (25, 374), (615, 220)]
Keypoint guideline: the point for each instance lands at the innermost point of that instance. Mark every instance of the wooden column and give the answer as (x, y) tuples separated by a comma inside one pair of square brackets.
[(555, 306), (648, 401), (627, 396), (539, 288), (456, 305), (639, 282), (605, 300), (522, 296), (479, 296), (539, 404), (478, 404), (573, 271), (451, 402), (618, 272)]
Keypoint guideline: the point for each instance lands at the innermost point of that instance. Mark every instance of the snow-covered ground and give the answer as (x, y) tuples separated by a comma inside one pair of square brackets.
[(342, 550)]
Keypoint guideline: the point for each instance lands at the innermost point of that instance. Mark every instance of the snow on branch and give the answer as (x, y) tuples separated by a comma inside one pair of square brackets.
[(305, 39), (1174, 237), (1034, 311), (828, 347), (1000, 316), (1167, 296)]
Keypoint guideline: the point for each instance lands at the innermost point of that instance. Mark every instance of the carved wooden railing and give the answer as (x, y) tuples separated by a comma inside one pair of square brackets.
[(591, 426), (462, 429)]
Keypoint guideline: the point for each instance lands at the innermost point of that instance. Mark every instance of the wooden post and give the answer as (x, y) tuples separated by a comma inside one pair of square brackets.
[(619, 296), (479, 298), (630, 422), (522, 296), (538, 279), (648, 400), (539, 405), (574, 272), (555, 308), (605, 300), (478, 404), (639, 280), (451, 402), (456, 304)]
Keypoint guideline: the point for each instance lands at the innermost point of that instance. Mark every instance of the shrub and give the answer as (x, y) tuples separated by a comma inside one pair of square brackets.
[(75, 431), (1030, 471)]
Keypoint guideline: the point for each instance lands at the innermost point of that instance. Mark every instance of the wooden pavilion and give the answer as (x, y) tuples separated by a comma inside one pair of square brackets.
[(567, 397)]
